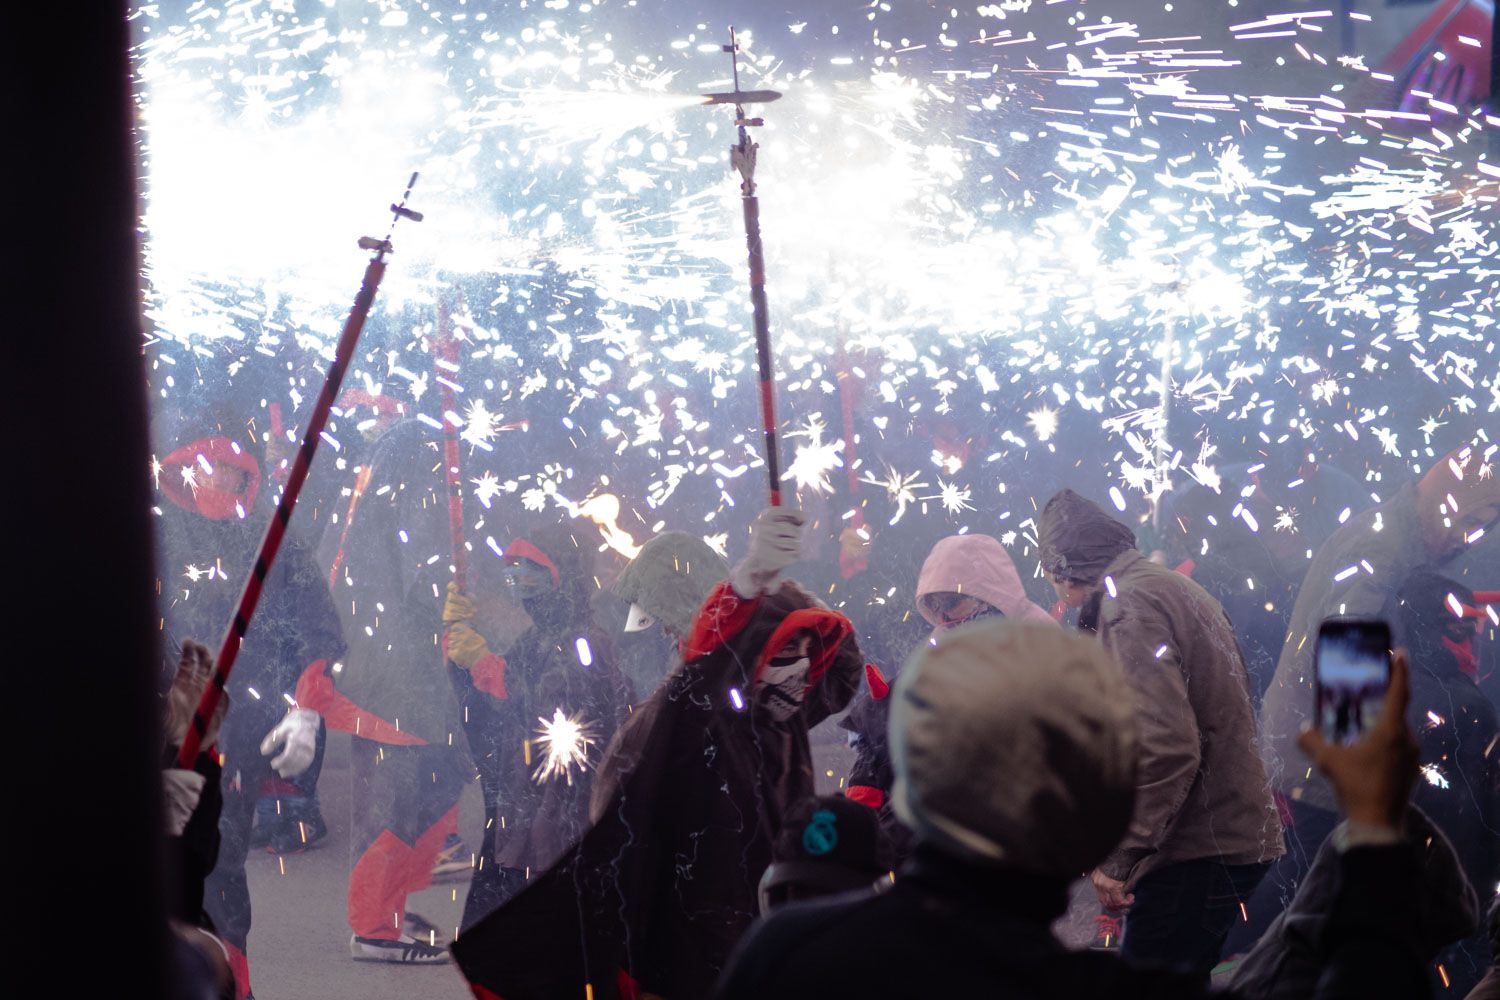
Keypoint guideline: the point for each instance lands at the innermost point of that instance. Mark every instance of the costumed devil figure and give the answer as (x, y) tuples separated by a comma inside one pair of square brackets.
[(687, 803), (392, 695), (536, 717)]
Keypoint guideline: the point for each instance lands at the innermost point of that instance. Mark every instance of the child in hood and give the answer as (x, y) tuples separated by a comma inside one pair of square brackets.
[(964, 579)]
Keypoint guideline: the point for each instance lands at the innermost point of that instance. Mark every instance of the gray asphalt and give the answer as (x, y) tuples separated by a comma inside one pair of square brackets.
[(299, 938)]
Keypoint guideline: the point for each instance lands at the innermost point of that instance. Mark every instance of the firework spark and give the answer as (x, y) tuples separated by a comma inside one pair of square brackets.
[(565, 741)]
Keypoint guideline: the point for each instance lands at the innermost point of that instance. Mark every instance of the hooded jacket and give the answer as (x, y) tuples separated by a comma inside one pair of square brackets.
[(1201, 790), (1050, 705), (976, 565), (204, 559), (563, 665), (670, 578), (1078, 540), (686, 807), (393, 687), (1387, 540)]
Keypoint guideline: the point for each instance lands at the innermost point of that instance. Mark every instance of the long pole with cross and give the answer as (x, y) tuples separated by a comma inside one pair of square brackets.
[(742, 157), (445, 359), (270, 544)]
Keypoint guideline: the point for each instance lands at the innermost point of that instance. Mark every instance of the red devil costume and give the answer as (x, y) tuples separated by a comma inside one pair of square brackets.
[(686, 808)]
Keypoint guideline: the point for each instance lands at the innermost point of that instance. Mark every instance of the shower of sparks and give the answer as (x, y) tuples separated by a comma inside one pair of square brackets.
[(815, 459), (480, 425), (954, 498), (564, 741), (1031, 225), (486, 488), (900, 488), (1043, 423)]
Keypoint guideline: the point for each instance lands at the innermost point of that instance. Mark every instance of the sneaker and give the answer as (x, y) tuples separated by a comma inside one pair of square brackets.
[(266, 820), (454, 861), (1107, 932), (405, 950), (423, 930)]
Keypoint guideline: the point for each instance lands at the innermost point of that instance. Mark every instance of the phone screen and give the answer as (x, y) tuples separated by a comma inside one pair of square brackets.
[(1353, 661)]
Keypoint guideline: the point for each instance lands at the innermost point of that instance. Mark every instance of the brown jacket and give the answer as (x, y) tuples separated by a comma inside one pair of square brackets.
[(1201, 791)]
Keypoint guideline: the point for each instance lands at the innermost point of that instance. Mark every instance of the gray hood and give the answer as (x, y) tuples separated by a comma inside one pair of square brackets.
[(1015, 742)]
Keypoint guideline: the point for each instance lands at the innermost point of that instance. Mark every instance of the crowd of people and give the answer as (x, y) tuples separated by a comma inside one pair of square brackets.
[(651, 823)]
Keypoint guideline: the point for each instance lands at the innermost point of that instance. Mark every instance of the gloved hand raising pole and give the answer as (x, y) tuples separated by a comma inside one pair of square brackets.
[(276, 530)]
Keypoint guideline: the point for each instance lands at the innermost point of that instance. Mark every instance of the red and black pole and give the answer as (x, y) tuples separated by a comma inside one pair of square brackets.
[(742, 156), (445, 361), (276, 530)]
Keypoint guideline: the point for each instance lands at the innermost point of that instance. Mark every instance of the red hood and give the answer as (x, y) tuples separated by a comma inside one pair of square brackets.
[(214, 504)]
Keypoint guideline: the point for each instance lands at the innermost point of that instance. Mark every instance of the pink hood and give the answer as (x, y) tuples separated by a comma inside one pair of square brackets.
[(976, 565)]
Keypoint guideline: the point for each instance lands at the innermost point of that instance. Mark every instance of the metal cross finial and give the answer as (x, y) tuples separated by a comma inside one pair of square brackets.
[(399, 211), (742, 154)]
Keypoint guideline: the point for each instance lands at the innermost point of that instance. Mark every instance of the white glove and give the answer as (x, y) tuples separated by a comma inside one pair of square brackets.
[(775, 543), (182, 790), (297, 736)]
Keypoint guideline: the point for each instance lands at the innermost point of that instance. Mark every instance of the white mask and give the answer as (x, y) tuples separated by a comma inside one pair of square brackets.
[(781, 688), (638, 619)]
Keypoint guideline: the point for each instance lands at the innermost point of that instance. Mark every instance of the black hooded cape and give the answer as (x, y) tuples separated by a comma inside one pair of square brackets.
[(686, 808)]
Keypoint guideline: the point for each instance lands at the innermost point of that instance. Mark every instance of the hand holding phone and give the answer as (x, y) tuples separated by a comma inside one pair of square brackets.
[(1373, 777), (1352, 670)]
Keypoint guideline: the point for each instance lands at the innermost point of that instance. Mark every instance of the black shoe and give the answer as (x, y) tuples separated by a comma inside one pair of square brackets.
[(423, 930), (298, 835)]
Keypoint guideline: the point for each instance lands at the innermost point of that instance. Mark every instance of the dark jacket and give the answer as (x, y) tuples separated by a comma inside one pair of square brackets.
[(542, 814), (203, 565), (1286, 962), (687, 805), (947, 928)]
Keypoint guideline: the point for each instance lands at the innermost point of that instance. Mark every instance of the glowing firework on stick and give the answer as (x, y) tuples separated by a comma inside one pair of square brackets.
[(1162, 452), (445, 358), (276, 530), (742, 156), (1162, 473), (565, 741)]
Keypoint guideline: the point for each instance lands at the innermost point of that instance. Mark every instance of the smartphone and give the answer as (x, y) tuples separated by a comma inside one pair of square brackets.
[(1352, 670)]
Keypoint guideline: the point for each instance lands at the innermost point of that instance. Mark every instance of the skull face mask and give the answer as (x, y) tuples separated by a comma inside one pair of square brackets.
[(782, 685)]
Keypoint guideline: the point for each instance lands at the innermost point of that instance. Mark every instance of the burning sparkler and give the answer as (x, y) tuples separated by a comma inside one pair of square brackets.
[(565, 741)]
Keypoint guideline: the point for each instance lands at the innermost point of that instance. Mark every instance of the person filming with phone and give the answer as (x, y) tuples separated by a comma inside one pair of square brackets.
[(1358, 573)]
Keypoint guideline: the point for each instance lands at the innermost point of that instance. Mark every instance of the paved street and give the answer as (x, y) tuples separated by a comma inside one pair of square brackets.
[(299, 940)]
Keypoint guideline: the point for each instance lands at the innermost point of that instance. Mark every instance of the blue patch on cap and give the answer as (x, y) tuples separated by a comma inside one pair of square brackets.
[(820, 836)]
